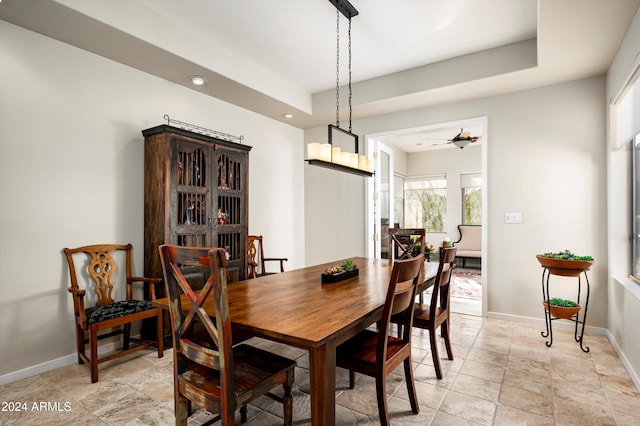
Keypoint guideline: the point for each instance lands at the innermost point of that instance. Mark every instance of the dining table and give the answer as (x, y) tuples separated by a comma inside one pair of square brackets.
[(296, 308)]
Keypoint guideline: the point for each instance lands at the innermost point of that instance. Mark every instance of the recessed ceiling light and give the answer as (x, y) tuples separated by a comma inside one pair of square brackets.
[(197, 80), (287, 115)]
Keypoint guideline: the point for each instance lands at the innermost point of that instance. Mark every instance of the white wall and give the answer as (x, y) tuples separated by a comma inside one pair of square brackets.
[(546, 159), (335, 226), (71, 173), (624, 294)]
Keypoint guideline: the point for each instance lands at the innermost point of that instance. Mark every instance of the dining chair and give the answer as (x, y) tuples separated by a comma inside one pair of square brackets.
[(405, 243), (377, 353), (255, 258), (102, 292), (437, 313), (212, 373)]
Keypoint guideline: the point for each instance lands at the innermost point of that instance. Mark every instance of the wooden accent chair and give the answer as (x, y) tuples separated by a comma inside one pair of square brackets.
[(100, 271), (213, 374), (377, 353), (436, 313), (256, 260)]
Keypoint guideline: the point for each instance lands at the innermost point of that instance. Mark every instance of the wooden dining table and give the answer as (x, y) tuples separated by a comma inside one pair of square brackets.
[(297, 309)]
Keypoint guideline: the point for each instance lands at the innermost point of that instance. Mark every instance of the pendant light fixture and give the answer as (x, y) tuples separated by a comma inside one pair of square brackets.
[(330, 154)]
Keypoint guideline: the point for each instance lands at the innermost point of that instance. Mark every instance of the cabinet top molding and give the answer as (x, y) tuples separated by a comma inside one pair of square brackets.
[(165, 128)]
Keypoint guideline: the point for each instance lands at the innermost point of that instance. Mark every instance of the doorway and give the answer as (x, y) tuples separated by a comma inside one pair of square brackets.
[(420, 153)]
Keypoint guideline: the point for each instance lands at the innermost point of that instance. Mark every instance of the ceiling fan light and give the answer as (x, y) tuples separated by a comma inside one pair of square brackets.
[(461, 143)]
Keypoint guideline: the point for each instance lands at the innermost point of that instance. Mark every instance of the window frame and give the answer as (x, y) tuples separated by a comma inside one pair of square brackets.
[(635, 208)]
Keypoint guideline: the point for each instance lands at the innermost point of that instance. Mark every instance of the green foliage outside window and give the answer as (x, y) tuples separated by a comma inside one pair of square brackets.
[(472, 198), (426, 204)]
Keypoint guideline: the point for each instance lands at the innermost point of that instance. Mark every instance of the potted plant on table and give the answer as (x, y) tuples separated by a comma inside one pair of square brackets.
[(561, 308), (335, 273)]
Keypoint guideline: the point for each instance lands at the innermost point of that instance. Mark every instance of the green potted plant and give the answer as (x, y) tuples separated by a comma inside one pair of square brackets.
[(428, 249), (339, 272), (561, 308), (565, 263)]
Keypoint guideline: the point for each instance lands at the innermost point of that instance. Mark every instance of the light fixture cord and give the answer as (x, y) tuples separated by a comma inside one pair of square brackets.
[(350, 93), (337, 68)]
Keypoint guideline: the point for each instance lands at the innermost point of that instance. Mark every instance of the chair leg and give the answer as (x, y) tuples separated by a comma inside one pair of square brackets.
[(352, 379), (434, 352), (126, 336), (182, 410), (444, 331), (383, 413), (160, 335), (411, 386), (93, 343), (243, 414), (80, 343), (287, 403)]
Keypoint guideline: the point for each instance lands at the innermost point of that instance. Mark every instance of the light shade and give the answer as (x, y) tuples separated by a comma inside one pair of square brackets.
[(461, 143)]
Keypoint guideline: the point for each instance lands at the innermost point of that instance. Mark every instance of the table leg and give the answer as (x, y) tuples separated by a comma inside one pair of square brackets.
[(322, 372)]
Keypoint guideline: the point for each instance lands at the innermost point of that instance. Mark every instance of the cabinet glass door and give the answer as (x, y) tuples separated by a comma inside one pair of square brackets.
[(230, 209), (191, 196)]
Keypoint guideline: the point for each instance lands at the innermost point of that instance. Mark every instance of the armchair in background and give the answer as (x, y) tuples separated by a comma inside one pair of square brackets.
[(469, 244)]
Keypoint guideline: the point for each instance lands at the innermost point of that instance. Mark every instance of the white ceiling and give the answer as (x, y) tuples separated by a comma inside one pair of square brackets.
[(297, 39), (279, 56)]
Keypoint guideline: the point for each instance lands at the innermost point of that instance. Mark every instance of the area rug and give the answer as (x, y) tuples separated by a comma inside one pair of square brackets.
[(466, 283)]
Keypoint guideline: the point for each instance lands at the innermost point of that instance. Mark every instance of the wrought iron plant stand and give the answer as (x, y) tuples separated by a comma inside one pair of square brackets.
[(565, 268)]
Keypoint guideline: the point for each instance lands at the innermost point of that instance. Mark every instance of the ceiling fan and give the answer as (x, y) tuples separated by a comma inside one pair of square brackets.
[(462, 139)]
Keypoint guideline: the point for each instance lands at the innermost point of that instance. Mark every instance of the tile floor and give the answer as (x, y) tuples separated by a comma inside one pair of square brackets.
[(502, 374)]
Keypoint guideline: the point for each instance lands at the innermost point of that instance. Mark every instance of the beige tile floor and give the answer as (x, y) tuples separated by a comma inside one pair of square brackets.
[(502, 374)]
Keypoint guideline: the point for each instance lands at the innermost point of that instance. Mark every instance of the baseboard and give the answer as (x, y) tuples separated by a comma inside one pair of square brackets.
[(632, 373), (53, 364), (598, 331), (38, 369)]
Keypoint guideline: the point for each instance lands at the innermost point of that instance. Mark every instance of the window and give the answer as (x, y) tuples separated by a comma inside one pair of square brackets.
[(398, 200), (426, 203), (471, 184), (635, 188), (627, 128)]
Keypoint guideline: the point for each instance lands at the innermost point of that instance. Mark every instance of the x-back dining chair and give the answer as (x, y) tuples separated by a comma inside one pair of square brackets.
[(256, 262), (102, 292), (209, 371), (437, 313), (377, 353), (405, 243)]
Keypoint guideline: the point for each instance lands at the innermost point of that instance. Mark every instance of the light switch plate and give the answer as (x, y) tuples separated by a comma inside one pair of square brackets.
[(513, 218)]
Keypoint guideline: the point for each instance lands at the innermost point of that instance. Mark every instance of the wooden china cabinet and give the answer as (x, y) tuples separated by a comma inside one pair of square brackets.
[(195, 194)]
